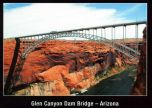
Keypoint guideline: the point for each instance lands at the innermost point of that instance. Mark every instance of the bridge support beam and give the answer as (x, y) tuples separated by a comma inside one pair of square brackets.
[(136, 35), (124, 34), (104, 32)]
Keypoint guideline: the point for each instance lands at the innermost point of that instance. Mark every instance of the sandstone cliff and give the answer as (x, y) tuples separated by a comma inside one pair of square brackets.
[(140, 84)]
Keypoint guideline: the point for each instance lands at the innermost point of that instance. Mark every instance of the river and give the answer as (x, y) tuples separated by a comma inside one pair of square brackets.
[(119, 84)]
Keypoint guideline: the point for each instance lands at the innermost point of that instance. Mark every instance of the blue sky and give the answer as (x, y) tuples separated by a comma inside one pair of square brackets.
[(40, 17), (10, 6), (139, 12)]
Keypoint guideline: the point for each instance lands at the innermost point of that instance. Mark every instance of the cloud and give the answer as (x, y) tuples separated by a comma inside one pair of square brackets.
[(47, 17)]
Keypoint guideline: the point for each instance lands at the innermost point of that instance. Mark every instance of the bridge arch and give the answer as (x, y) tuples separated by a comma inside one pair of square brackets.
[(120, 47)]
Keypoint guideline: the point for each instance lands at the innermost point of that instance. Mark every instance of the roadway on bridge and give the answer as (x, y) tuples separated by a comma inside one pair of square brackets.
[(120, 84)]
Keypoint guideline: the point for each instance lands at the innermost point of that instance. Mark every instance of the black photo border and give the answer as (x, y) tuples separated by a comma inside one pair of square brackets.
[(124, 101)]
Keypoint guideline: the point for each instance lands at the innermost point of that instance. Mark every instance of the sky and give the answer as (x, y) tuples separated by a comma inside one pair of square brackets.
[(22, 19)]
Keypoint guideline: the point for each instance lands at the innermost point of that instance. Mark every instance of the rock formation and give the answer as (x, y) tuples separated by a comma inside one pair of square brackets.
[(57, 67), (139, 87)]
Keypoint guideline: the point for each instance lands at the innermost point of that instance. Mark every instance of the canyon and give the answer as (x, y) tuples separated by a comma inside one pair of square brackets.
[(59, 67)]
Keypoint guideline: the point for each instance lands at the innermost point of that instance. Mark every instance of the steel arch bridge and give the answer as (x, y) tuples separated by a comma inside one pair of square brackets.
[(33, 41), (118, 46)]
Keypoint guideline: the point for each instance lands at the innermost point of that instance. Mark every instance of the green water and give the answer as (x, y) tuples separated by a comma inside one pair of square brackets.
[(120, 84)]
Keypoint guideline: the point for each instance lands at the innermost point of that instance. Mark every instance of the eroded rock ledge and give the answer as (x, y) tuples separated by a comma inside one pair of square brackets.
[(71, 73)]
